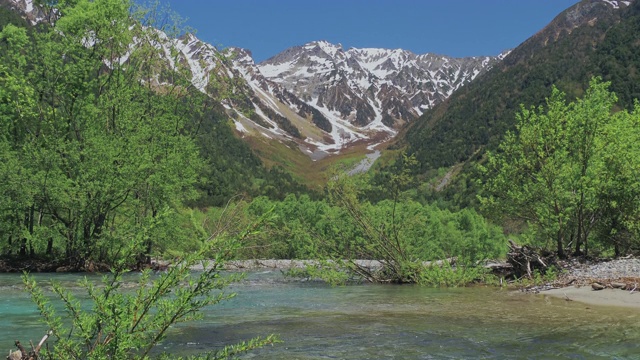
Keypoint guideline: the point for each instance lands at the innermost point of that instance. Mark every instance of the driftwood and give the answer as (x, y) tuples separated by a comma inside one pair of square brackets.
[(23, 354), (503, 270), (525, 260)]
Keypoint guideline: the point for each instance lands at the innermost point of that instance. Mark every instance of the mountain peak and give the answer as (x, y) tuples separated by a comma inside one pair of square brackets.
[(363, 91), (317, 95), (329, 48), (240, 55)]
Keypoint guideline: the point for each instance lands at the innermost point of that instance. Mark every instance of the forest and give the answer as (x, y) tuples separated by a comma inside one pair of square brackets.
[(104, 143), (109, 159)]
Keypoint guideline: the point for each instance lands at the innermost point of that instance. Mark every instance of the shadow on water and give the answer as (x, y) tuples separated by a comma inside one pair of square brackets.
[(316, 321)]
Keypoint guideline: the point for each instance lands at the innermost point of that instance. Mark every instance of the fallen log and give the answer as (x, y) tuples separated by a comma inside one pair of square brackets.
[(503, 270)]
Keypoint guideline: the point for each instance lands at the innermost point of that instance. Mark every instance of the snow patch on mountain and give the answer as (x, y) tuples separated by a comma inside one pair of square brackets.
[(28, 8), (617, 4), (373, 90), (319, 95), (240, 127)]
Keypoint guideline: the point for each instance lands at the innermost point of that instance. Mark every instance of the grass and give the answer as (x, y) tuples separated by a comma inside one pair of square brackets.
[(313, 173)]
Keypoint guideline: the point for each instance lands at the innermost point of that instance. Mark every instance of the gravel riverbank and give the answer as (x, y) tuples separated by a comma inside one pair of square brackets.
[(604, 270), (257, 264), (606, 283), (573, 284), (582, 273)]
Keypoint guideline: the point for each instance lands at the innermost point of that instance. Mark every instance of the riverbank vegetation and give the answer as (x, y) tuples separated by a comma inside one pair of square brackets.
[(100, 135), (570, 172), (109, 157), (97, 149), (115, 321), (400, 233)]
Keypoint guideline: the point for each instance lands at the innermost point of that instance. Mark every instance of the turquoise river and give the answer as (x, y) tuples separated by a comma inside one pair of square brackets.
[(316, 321)]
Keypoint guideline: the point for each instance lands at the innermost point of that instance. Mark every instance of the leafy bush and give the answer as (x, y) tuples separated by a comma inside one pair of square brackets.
[(446, 275), (400, 233), (121, 323)]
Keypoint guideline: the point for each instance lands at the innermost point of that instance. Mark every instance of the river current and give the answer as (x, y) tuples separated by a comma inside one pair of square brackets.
[(316, 321)]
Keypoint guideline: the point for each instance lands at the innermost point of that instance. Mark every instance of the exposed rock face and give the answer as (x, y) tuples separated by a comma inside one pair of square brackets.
[(27, 8), (317, 95), (587, 12), (366, 86)]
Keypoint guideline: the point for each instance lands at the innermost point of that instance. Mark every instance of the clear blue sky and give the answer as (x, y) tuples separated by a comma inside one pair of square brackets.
[(448, 27)]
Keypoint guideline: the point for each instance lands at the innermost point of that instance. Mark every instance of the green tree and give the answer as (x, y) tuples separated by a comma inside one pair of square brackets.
[(402, 234), (100, 143), (558, 169), (619, 195), (125, 323)]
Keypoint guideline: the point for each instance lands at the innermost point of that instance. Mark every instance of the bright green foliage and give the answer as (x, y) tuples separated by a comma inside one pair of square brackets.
[(445, 275), (128, 323), (569, 169), (402, 234), (550, 275), (298, 228), (303, 229), (94, 147)]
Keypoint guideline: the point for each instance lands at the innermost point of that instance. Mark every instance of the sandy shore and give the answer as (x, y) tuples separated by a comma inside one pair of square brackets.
[(622, 271), (605, 297)]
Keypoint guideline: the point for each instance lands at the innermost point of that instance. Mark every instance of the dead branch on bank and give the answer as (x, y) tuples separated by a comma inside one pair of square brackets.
[(525, 260), (23, 354)]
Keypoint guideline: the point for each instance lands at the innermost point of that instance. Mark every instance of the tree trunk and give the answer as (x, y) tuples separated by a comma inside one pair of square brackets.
[(560, 245), (10, 243), (28, 223), (580, 237), (50, 246)]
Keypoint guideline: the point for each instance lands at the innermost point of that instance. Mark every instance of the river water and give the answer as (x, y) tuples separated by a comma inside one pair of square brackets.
[(316, 321)]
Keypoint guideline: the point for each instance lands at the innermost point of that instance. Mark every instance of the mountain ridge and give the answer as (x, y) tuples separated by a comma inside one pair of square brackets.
[(385, 88), (591, 38), (340, 99), (477, 115)]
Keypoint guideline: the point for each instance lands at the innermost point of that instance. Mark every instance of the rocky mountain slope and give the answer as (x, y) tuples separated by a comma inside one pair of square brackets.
[(585, 40), (26, 8), (592, 38), (318, 95), (354, 95), (370, 87)]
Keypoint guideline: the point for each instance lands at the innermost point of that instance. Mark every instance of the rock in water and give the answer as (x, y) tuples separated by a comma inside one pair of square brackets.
[(597, 286)]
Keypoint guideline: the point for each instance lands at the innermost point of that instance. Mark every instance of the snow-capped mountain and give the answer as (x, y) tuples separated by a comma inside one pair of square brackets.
[(317, 95), (370, 88), (358, 94)]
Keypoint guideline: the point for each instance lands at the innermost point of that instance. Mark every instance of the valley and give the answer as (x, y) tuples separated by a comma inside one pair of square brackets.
[(131, 148)]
